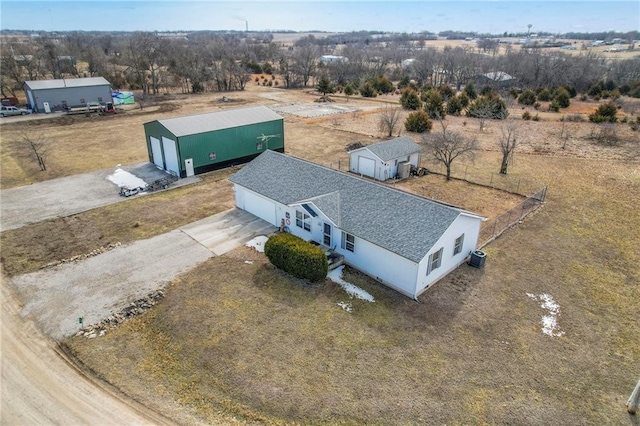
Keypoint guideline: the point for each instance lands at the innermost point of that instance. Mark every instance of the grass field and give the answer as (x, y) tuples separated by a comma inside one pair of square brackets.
[(237, 342), (238, 339)]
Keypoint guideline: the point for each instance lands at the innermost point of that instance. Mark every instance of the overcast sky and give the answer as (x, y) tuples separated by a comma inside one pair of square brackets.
[(484, 16)]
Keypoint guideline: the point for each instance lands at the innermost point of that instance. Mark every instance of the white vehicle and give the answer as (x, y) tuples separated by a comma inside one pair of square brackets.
[(7, 111)]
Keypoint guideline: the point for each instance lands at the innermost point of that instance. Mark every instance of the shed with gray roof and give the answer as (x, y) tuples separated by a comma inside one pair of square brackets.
[(403, 240), (386, 160), (63, 93), (199, 143)]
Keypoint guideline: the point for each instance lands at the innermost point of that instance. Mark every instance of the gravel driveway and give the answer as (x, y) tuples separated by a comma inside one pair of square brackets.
[(69, 195), (98, 286)]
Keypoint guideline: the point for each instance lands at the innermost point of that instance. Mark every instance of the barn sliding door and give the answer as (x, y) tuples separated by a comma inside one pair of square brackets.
[(171, 155)]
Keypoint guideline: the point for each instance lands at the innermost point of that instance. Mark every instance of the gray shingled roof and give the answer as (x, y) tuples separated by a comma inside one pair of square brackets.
[(402, 223), (66, 82), (212, 121), (393, 148)]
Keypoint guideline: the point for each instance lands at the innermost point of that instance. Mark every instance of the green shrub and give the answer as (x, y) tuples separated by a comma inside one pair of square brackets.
[(382, 85), (544, 94), (526, 115), (605, 113), (537, 106), (433, 104), (368, 91), (464, 99), (410, 100), (571, 90), (470, 90), (297, 257), (446, 92), (528, 97), (488, 91), (536, 117), (348, 90), (454, 106), (418, 122), (404, 82), (489, 107), (554, 106), (561, 96)]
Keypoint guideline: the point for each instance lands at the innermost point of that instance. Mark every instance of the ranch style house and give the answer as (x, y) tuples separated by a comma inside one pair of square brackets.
[(402, 240)]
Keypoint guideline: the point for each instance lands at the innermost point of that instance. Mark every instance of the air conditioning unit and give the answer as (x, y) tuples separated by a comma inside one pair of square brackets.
[(404, 169)]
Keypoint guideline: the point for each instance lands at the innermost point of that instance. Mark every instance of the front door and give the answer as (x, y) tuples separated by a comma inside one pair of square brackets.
[(188, 165), (326, 238)]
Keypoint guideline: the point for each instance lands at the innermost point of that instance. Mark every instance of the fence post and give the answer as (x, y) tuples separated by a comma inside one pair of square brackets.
[(524, 204), (518, 188)]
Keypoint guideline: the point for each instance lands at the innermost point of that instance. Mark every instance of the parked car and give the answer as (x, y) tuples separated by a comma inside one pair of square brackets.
[(7, 111)]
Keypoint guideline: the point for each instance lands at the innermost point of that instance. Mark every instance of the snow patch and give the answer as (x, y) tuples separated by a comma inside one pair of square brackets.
[(249, 262), (352, 290), (550, 325), (258, 243), (122, 178), (347, 306)]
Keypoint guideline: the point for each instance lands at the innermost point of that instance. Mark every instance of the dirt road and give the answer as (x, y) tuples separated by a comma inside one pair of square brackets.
[(40, 387)]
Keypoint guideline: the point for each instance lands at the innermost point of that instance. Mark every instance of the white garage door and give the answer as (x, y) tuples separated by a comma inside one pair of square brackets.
[(170, 155), (366, 166), (156, 152), (261, 207)]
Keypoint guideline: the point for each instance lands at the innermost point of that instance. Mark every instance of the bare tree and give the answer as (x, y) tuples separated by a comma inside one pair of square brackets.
[(389, 120), (447, 145), (508, 143), (35, 147)]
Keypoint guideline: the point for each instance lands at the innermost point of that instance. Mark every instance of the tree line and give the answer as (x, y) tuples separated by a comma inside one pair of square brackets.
[(214, 61)]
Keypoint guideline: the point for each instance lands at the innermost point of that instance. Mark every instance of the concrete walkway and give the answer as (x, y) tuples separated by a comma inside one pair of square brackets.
[(69, 195), (225, 231)]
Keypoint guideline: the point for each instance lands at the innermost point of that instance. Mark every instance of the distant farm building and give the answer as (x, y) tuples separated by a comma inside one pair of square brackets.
[(60, 94), (331, 58), (498, 80), (200, 143)]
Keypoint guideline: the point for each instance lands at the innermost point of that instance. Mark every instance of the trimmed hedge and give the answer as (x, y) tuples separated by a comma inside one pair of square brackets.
[(297, 257)]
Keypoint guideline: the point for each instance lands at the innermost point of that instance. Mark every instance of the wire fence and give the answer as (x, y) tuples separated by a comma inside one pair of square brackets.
[(509, 183), (492, 229)]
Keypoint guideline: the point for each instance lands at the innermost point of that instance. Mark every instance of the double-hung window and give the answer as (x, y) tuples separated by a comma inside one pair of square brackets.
[(457, 248), (435, 259), (303, 221), (348, 242)]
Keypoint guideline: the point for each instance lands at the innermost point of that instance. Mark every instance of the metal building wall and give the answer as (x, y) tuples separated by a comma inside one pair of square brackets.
[(72, 95), (222, 148)]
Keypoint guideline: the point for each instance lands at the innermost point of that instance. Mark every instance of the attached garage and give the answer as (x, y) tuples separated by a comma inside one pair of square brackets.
[(259, 206), (200, 143)]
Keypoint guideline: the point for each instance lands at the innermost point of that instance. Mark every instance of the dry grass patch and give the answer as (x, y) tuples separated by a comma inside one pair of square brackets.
[(245, 339)]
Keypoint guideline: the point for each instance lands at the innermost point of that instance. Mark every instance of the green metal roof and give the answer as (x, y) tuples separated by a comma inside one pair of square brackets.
[(212, 121)]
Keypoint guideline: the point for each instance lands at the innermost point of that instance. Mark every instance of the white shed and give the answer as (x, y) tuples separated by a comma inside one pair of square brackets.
[(402, 240), (384, 160)]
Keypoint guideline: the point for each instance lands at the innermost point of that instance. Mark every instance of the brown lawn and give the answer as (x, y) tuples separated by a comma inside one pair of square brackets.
[(242, 342)]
